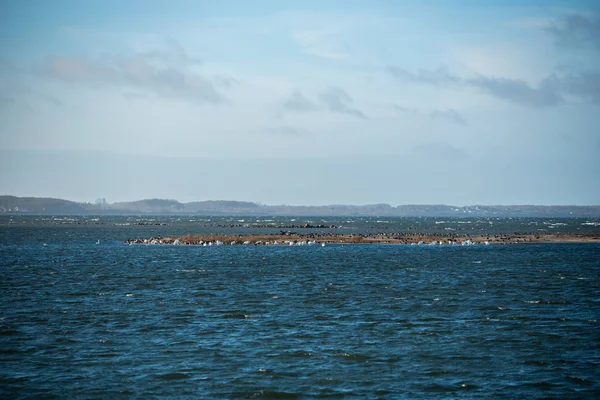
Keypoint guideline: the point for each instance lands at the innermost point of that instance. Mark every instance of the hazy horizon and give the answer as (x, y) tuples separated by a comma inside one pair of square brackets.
[(288, 181), (302, 103), (261, 204)]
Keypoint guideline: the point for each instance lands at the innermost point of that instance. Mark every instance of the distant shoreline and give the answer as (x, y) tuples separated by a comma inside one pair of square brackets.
[(380, 238), (13, 205)]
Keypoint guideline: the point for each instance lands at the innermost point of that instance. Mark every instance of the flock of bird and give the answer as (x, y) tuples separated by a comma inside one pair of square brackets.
[(467, 242), (313, 242), (257, 243)]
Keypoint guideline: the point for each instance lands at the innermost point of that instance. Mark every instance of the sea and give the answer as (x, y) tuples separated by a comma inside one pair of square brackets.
[(85, 315)]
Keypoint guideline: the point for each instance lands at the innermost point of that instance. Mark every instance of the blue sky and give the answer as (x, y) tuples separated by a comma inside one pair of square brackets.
[(456, 102)]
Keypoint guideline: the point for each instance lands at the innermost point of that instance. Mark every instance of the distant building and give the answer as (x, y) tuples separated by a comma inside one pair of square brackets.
[(101, 203)]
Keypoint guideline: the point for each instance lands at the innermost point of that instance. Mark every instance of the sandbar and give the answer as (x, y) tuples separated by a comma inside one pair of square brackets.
[(379, 238)]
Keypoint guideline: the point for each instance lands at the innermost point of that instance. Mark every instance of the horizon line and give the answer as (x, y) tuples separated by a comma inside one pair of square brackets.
[(258, 203)]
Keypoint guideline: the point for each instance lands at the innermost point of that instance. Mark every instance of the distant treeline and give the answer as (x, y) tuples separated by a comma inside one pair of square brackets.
[(50, 206)]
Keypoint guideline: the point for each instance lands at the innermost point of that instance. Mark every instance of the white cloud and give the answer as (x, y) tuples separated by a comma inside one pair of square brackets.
[(162, 71)]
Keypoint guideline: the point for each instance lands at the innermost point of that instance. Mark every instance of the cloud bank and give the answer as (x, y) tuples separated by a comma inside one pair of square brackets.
[(332, 99), (166, 72)]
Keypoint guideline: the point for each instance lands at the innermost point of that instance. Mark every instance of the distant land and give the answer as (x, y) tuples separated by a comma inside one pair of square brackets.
[(51, 206)]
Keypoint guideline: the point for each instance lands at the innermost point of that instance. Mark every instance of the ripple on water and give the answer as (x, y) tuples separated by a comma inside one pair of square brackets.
[(351, 321)]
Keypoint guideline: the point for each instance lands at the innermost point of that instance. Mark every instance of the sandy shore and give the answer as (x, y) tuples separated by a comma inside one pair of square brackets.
[(383, 238)]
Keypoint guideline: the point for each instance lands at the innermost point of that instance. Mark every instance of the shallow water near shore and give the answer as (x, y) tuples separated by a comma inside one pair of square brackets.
[(80, 319)]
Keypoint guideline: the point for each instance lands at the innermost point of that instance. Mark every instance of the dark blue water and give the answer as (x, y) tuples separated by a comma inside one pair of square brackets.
[(114, 227), (364, 321)]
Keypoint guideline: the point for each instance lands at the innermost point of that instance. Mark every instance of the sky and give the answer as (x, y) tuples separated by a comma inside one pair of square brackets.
[(312, 102)]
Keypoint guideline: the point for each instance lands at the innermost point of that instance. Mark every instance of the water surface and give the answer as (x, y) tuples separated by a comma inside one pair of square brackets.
[(80, 319)]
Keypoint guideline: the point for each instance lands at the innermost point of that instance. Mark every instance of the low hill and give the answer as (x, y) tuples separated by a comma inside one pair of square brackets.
[(156, 206), (36, 205), (40, 205)]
